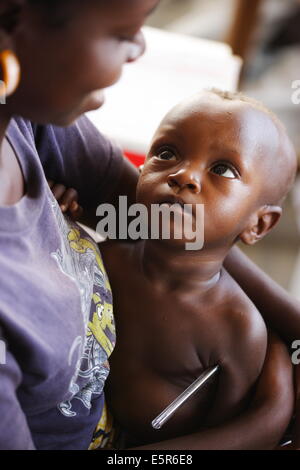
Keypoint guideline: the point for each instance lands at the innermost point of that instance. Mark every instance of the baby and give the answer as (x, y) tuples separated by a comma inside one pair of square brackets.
[(178, 312)]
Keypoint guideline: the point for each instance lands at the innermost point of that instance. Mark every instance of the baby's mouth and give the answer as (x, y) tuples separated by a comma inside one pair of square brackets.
[(171, 200), (178, 204)]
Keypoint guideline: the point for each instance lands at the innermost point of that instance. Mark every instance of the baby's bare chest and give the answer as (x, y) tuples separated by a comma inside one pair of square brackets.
[(158, 354), (173, 334), (164, 343)]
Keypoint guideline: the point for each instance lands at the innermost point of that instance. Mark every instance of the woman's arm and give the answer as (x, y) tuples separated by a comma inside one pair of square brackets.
[(279, 309), (126, 186), (265, 421)]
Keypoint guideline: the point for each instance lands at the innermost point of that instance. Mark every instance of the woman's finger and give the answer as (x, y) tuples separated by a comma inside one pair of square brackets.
[(76, 211), (68, 197), (296, 429), (58, 191)]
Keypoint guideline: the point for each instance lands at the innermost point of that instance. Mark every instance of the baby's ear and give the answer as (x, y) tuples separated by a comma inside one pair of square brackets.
[(260, 224)]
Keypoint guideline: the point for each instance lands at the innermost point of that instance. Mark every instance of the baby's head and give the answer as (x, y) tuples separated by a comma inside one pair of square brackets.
[(228, 152)]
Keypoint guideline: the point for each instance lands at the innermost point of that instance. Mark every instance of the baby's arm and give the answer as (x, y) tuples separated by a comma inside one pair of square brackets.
[(239, 348)]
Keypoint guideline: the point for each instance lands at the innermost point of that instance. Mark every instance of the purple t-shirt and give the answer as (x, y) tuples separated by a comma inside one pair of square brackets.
[(55, 301)]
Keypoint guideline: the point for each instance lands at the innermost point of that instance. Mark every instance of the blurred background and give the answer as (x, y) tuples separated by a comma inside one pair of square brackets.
[(266, 34)]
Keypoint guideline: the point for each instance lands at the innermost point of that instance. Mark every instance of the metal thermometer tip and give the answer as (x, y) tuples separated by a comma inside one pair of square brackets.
[(168, 412)]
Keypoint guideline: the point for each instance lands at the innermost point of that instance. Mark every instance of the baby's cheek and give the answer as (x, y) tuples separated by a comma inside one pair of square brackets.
[(142, 192), (147, 184)]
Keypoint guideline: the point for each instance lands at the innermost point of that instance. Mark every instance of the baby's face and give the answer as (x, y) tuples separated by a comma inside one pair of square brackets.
[(213, 152)]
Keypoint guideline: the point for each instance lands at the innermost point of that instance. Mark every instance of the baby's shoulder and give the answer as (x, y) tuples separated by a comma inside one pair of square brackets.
[(115, 248), (244, 326), (240, 347), (117, 256)]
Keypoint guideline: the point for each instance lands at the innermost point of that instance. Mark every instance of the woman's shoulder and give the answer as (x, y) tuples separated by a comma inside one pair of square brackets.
[(76, 156), (20, 128)]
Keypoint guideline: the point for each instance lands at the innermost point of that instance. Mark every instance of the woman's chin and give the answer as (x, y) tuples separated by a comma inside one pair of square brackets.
[(95, 100)]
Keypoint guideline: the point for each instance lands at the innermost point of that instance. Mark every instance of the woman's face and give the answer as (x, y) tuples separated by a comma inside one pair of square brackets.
[(65, 69)]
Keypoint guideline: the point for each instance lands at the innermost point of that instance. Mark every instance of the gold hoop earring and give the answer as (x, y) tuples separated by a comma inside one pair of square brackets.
[(11, 72)]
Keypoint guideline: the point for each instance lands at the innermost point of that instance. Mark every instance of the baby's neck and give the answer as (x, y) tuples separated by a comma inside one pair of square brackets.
[(174, 269)]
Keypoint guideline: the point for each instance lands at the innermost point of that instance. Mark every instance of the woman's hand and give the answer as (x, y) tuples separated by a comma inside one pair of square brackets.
[(67, 200), (296, 428)]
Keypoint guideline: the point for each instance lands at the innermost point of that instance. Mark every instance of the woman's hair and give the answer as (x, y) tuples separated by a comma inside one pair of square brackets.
[(51, 4), (55, 13)]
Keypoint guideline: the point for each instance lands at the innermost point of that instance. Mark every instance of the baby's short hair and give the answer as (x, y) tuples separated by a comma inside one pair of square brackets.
[(239, 96)]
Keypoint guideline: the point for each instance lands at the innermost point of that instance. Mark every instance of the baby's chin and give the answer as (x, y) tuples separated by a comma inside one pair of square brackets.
[(180, 246), (175, 237)]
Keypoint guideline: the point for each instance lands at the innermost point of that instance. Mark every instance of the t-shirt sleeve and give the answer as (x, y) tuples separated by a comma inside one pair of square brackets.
[(79, 156), (14, 430)]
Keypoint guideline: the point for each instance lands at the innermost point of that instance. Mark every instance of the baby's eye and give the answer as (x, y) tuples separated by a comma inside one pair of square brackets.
[(166, 155), (224, 170)]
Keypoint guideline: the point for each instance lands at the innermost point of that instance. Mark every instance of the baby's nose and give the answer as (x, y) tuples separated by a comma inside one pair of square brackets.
[(185, 179)]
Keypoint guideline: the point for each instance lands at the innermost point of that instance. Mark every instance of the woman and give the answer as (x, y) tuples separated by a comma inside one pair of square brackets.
[(55, 300)]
